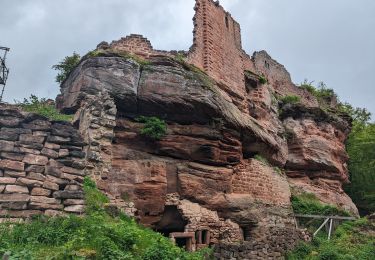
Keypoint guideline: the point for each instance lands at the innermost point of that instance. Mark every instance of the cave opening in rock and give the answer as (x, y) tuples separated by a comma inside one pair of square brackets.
[(171, 222)]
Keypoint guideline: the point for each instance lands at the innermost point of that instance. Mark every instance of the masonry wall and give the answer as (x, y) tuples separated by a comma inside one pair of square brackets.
[(217, 47), (41, 166), (262, 182)]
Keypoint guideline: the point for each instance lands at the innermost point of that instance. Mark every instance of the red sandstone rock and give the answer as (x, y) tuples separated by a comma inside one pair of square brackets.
[(11, 165), (35, 159), (16, 189)]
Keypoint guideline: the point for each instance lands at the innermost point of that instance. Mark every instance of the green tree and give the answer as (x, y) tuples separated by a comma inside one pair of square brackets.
[(66, 66), (361, 150)]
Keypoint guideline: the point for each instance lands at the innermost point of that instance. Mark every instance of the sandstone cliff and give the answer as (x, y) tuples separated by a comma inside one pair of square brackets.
[(233, 152), (203, 175)]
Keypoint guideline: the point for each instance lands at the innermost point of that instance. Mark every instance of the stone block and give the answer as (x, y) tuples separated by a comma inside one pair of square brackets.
[(29, 138), (58, 139), (28, 182), (73, 187), (52, 146), (63, 153), (50, 153), (14, 198), (50, 185), (53, 171), (44, 206), (12, 156), (41, 133), (70, 202), (44, 199), (16, 189), (68, 195), (19, 214), (36, 176), (6, 146), (72, 177), (28, 150), (74, 171), (75, 209), (58, 181), (7, 180), (12, 165), (38, 125), (35, 159), (2, 188), (34, 146), (40, 192), (35, 168)]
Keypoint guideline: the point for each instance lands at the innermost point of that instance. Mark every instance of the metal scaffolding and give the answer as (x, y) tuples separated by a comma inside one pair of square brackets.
[(4, 71)]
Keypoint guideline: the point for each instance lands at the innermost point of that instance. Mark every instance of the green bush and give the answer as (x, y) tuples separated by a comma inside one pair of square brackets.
[(321, 92), (263, 80), (153, 128), (43, 107), (290, 99), (66, 66), (96, 235), (308, 204)]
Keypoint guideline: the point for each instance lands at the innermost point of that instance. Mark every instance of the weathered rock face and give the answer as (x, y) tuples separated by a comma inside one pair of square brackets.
[(41, 166), (204, 165)]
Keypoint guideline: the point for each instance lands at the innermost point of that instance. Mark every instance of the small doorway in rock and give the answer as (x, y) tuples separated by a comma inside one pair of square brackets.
[(171, 221), (246, 233)]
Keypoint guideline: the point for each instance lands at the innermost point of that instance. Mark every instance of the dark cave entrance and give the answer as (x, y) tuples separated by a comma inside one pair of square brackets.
[(171, 222)]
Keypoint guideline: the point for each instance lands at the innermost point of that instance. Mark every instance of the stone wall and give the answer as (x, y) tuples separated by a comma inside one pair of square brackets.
[(262, 182), (217, 46), (41, 166)]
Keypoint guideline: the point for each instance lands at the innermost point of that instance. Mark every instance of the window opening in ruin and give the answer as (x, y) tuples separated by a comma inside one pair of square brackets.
[(266, 64), (171, 221), (246, 233), (227, 22), (181, 242), (205, 237)]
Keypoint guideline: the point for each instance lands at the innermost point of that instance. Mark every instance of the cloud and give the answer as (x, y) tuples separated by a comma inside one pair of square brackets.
[(330, 41)]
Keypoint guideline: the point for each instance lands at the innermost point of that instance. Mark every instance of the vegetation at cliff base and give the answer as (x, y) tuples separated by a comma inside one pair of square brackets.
[(351, 241), (44, 107), (65, 66), (308, 204), (153, 128), (96, 235)]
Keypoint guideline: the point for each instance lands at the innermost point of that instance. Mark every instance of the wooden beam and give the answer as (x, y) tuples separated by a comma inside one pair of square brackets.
[(330, 228), (325, 217), (321, 226)]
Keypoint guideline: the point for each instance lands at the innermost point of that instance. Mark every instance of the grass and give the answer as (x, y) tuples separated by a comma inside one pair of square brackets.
[(43, 107), (351, 241), (97, 235), (321, 92), (122, 54), (290, 99), (308, 204)]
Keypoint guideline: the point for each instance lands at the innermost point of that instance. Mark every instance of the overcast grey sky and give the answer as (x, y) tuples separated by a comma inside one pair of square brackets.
[(322, 40)]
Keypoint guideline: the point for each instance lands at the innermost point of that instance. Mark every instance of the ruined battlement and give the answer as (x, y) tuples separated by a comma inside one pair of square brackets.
[(217, 50)]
